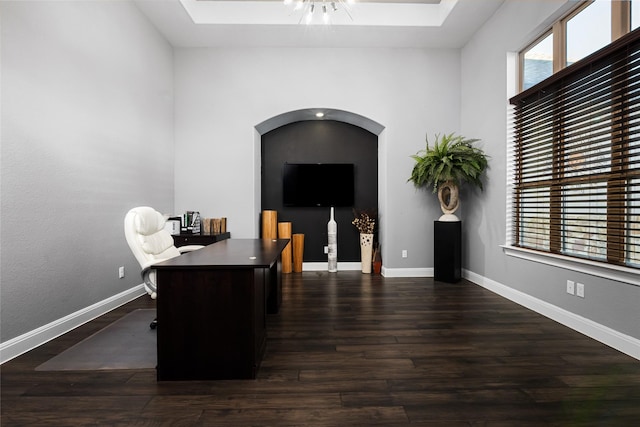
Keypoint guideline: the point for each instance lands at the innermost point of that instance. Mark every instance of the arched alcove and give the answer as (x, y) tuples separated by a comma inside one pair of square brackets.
[(302, 137), (313, 114)]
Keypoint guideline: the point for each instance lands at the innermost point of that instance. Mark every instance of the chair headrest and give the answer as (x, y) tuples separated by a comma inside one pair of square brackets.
[(148, 221)]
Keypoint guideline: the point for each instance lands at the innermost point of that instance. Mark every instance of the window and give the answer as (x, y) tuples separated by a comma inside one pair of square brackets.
[(538, 62), (576, 188), (633, 243), (590, 26), (635, 15), (581, 39)]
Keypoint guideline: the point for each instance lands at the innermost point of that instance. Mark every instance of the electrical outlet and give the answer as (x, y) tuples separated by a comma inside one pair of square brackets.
[(121, 273), (580, 289), (404, 253), (571, 287)]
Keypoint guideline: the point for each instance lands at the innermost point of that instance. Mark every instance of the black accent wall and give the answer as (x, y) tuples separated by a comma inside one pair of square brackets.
[(321, 141)]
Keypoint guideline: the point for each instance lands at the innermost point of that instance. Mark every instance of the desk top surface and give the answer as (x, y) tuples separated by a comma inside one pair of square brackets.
[(236, 253)]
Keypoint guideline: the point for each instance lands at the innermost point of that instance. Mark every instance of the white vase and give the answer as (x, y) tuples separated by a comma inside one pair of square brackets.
[(332, 253), (449, 201), (366, 248)]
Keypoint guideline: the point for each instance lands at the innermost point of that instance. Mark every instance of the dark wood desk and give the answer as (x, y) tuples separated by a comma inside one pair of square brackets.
[(212, 306)]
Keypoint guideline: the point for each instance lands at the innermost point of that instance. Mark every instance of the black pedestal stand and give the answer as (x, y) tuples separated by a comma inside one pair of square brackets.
[(447, 250)]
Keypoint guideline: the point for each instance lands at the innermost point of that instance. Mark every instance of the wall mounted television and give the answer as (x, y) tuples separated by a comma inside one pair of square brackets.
[(317, 184)]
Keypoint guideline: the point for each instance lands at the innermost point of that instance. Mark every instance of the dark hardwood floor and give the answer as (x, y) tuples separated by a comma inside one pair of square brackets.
[(354, 349)]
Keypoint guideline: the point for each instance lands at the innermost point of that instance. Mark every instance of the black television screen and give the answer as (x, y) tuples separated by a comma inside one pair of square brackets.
[(318, 184)]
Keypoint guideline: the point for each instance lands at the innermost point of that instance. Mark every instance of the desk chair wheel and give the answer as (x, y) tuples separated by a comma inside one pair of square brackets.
[(154, 324)]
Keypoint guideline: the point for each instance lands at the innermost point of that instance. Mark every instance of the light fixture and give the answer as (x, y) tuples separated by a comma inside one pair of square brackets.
[(308, 8), (319, 114)]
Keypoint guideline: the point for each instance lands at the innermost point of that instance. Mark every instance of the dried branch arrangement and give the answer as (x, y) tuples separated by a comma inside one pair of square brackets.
[(364, 221)]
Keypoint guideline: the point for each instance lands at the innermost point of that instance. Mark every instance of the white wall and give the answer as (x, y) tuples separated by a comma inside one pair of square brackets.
[(87, 104), (221, 94), (486, 86)]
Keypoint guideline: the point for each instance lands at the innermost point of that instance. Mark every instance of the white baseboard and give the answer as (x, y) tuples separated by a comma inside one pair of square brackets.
[(407, 272), (356, 266), (619, 341), (25, 342), (323, 266)]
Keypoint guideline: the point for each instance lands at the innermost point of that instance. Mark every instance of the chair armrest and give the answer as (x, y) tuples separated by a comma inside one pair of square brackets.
[(149, 284), (189, 248)]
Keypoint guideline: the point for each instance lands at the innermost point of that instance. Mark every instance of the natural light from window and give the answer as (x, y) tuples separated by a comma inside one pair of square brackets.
[(577, 164), (635, 15), (538, 62), (588, 31)]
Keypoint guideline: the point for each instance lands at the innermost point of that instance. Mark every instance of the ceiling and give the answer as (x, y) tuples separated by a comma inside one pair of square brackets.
[(373, 23)]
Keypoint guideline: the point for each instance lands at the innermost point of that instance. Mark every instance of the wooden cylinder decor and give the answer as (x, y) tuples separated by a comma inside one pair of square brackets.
[(284, 232), (269, 224), (298, 252), (215, 226)]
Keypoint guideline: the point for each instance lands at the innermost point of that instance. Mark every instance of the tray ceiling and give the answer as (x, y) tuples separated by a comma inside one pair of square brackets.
[(373, 23)]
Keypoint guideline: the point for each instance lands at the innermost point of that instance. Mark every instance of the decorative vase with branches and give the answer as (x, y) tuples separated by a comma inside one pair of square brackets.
[(451, 161)]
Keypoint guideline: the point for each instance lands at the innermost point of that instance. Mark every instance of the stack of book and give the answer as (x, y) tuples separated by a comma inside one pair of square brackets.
[(190, 222)]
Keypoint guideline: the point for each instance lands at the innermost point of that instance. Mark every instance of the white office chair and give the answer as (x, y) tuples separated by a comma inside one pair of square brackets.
[(150, 243)]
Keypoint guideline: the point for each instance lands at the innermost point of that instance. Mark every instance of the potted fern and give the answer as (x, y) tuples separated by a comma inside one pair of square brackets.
[(451, 161)]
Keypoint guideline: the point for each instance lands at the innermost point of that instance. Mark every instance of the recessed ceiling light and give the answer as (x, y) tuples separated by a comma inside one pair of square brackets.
[(319, 114)]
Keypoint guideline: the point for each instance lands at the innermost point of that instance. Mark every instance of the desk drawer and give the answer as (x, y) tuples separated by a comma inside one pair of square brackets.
[(199, 239)]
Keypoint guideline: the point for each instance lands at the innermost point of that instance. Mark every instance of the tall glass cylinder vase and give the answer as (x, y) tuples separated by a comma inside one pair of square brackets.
[(366, 251), (332, 252)]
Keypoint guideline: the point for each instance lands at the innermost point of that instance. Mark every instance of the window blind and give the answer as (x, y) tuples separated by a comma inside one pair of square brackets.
[(576, 159)]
